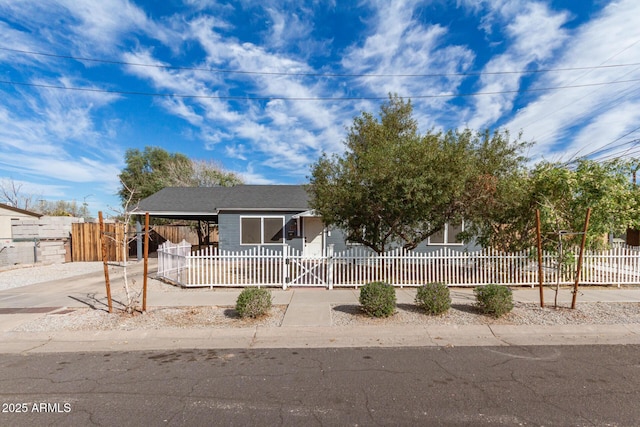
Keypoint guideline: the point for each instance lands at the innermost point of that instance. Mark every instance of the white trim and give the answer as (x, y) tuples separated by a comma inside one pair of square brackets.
[(446, 237), (265, 209), (307, 214), (176, 213), (262, 218)]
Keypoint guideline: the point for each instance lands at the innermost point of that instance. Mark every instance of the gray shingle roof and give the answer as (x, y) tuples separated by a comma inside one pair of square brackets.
[(199, 201)]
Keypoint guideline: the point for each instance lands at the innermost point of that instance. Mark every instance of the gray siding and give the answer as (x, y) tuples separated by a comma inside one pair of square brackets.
[(229, 230), (337, 238), (229, 237)]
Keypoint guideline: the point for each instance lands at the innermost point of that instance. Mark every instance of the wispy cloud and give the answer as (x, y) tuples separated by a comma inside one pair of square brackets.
[(287, 135), (611, 38), (535, 33), (398, 43)]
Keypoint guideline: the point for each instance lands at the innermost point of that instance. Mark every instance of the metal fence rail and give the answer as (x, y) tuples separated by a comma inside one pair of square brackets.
[(285, 266)]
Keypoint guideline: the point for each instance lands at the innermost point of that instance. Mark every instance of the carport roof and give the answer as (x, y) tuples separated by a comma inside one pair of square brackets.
[(206, 202)]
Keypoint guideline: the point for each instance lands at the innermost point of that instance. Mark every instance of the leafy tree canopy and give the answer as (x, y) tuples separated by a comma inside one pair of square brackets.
[(563, 196), (394, 186), (63, 208), (153, 169)]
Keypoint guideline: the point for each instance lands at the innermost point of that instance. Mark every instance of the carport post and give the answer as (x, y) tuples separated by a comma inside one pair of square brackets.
[(138, 239)]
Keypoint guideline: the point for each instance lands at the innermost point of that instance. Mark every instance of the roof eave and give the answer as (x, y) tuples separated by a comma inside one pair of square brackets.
[(171, 213)]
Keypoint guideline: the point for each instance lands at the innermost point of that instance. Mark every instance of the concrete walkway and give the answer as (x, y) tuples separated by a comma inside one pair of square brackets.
[(307, 321)]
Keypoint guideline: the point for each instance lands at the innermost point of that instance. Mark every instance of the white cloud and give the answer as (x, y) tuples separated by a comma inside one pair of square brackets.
[(286, 134), (36, 189), (249, 176), (399, 44), (286, 27), (62, 167), (551, 119), (619, 120), (534, 34)]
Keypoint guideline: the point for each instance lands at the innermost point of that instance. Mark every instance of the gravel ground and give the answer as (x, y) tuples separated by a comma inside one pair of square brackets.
[(158, 318), (341, 315), (29, 275), (523, 314)]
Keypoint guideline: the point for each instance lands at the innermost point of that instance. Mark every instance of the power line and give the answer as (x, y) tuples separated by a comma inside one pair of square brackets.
[(623, 94), (548, 114), (604, 148), (633, 149), (285, 98), (300, 74)]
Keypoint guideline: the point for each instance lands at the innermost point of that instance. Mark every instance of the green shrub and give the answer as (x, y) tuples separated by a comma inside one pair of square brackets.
[(433, 298), (378, 299), (495, 300), (253, 302)]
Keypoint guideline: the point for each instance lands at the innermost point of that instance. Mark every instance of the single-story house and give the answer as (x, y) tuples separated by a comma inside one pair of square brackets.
[(251, 216), (8, 214)]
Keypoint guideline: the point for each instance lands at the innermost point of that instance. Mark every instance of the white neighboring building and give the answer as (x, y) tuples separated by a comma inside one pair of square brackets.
[(28, 237), (7, 214)]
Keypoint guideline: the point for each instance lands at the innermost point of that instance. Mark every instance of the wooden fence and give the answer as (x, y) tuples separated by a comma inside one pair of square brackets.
[(86, 244), (286, 266), (175, 233), (85, 239)]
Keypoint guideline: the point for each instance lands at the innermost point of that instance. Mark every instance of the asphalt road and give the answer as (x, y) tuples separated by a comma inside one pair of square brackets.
[(538, 385)]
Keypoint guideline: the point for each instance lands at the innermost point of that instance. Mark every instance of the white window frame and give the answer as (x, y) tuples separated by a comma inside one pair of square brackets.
[(350, 243), (262, 218), (446, 237)]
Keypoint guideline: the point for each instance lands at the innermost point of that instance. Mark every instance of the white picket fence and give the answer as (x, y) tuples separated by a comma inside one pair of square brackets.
[(285, 266)]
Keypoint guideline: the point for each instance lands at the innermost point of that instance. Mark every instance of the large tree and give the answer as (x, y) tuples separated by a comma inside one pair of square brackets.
[(153, 169), (563, 194), (394, 186)]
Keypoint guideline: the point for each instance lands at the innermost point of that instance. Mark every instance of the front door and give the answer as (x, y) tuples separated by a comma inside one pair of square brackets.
[(313, 229)]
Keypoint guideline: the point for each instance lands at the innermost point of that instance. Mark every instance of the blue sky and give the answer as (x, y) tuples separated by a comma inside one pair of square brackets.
[(264, 87)]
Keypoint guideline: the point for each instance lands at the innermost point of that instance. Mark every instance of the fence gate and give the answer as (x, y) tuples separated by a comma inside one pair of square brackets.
[(305, 271)]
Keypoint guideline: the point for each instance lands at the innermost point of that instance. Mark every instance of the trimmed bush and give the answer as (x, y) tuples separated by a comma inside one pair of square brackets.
[(253, 302), (433, 298), (494, 300), (378, 299)]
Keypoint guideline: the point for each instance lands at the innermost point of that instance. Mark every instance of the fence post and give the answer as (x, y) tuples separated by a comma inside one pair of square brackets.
[(579, 268), (330, 266), (285, 266), (540, 271)]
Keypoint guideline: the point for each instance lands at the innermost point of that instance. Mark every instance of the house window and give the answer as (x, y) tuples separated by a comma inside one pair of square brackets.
[(265, 230), (448, 235), (353, 243)]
